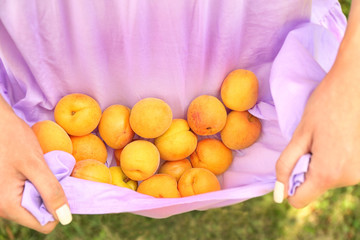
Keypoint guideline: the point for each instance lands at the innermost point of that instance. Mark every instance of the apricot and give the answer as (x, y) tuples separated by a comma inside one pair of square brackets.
[(213, 155), (78, 114), (177, 142), (239, 90), (52, 137), (114, 126), (196, 181), (93, 170), (120, 179), (117, 153), (89, 146), (241, 130), (150, 117), (206, 115), (139, 160), (175, 168), (160, 186)]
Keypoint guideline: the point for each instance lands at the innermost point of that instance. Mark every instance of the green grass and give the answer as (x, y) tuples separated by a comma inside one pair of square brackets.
[(345, 5), (334, 216)]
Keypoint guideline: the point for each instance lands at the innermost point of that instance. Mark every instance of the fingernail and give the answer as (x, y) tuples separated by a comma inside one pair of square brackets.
[(64, 215), (279, 192)]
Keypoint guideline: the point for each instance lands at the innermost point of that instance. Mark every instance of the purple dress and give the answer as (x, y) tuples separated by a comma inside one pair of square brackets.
[(122, 51)]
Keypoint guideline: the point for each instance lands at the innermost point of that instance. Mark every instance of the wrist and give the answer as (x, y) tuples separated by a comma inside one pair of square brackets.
[(345, 72), (349, 50)]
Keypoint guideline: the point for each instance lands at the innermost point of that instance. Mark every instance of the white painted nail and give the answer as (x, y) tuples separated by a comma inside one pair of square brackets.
[(63, 214), (279, 192)]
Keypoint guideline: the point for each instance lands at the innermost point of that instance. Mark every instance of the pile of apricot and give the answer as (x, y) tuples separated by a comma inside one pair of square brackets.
[(156, 154)]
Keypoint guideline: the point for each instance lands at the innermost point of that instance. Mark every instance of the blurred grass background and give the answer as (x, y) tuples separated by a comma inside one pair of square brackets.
[(334, 216), (345, 5)]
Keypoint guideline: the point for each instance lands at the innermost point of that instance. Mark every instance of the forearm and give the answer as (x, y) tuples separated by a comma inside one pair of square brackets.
[(344, 76), (349, 51)]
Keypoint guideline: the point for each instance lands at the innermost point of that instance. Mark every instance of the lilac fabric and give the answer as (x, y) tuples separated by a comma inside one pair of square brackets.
[(298, 174), (122, 51), (61, 164)]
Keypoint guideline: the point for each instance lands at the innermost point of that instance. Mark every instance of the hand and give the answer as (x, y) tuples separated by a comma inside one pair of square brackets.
[(21, 158), (329, 128)]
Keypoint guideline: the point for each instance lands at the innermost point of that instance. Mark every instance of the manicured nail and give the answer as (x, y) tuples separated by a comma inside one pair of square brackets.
[(279, 192), (64, 215)]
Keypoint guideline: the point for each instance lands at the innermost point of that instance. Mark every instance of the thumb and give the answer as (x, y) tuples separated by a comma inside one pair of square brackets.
[(298, 146), (50, 190)]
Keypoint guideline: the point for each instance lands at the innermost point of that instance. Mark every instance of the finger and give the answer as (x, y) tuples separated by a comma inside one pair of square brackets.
[(11, 209), (50, 190), (298, 146), (21, 216), (312, 188)]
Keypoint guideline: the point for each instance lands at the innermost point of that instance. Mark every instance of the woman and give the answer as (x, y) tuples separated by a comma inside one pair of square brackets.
[(68, 46)]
